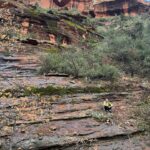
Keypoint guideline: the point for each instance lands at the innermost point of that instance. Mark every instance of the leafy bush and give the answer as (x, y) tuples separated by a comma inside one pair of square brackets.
[(101, 116), (143, 114), (128, 44), (79, 64), (37, 10), (124, 49)]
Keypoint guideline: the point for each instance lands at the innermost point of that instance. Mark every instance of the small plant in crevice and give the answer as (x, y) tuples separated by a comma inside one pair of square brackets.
[(101, 116)]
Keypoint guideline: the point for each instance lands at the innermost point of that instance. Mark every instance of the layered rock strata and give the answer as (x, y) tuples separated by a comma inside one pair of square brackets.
[(101, 8)]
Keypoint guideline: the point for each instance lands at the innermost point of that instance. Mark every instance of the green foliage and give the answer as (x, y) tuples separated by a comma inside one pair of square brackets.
[(37, 10), (124, 49), (51, 90), (127, 42), (143, 114), (100, 116), (72, 24), (79, 64), (72, 11)]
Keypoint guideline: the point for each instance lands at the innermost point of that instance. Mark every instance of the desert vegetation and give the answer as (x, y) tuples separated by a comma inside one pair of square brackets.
[(143, 113), (124, 50)]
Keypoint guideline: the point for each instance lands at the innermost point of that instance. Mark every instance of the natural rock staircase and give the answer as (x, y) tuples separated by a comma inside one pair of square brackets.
[(71, 122), (58, 122)]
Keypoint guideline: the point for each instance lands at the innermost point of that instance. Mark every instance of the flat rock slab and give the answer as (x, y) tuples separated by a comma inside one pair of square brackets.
[(54, 122), (101, 132), (38, 81), (46, 123), (129, 143)]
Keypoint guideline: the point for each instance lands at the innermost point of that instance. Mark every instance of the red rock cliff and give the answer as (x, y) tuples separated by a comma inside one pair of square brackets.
[(101, 8), (83, 6), (116, 7)]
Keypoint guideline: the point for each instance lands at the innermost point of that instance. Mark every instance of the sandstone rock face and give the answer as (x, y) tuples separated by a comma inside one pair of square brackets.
[(117, 7), (101, 8), (81, 5), (36, 27)]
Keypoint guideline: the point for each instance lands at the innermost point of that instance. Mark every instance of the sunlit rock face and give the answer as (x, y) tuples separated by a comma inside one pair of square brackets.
[(98, 8), (105, 8), (83, 6)]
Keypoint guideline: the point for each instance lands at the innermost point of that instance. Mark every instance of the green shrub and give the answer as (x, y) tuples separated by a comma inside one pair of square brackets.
[(100, 116), (37, 10), (129, 44), (79, 64), (50, 62), (124, 49), (143, 114)]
